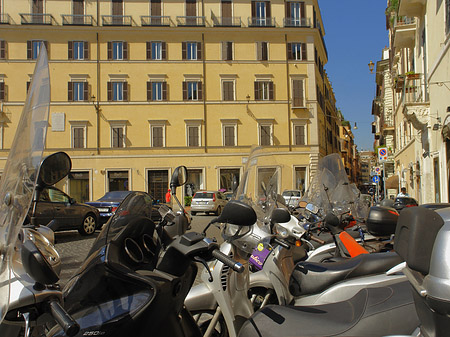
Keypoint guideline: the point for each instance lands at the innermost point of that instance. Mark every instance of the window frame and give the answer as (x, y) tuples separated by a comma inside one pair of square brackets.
[(187, 87), (163, 132), (224, 127), (266, 90), (191, 51), (262, 54), (198, 126), (72, 129), (260, 126), (227, 51), (233, 81), (294, 132), (293, 98), (124, 134)]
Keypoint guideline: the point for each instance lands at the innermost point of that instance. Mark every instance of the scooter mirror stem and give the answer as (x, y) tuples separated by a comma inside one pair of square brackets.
[(209, 225)]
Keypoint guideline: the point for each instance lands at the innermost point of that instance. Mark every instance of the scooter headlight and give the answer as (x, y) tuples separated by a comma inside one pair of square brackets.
[(281, 231)]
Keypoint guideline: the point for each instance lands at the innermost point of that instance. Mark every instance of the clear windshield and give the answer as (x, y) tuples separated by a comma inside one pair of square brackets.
[(331, 191), (20, 172)]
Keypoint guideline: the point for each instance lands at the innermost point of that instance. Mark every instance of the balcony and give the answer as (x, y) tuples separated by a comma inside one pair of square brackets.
[(77, 20), (404, 32), (191, 21), (233, 21), (36, 19), (297, 22), (411, 7), (5, 19), (414, 90), (155, 21), (117, 20), (261, 22)]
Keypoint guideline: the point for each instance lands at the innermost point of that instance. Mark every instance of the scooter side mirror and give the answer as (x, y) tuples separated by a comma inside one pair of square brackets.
[(54, 168), (312, 208), (36, 265), (280, 215), (237, 213), (179, 177)]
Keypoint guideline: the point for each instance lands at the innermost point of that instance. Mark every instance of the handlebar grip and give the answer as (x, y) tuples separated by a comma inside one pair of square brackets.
[(282, 243), (313, 238), (69, 325), (236, 266)]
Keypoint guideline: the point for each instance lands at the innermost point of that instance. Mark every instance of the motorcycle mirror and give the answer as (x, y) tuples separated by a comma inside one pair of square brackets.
[(312, 208), (280, 215), (237, 213), (36, 265), (302, 204), (54, 168), (179, 177)]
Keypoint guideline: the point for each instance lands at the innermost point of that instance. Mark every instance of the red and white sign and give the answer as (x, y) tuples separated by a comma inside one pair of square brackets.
[(382, 154), (377, 170)]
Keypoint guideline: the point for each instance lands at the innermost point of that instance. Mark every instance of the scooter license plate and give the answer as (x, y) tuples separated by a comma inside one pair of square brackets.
[(259, 256)]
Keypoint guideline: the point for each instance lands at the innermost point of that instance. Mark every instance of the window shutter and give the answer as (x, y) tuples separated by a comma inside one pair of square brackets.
[(271, 90), (125, 91), (199, 50), (86, 91), (70, 91), (184, 91), (164, 91), (149, 50), (149, 91), (183, 50), (268, 12), (230, 50), (125, 50), (109, 50), (259, 51), (253, 9), (70, 50), (302, 11), (224, 50), (47, 48), (257, 91), (304, 52), (288, 10), (28, 85), (264, 51), (163, 51), (199, 91), (2, 91), (289, 51), (109, 91), (3, 49), (29, 51), (86, 50)]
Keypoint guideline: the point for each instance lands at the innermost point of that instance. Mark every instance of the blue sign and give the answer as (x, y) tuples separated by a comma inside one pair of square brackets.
[(375, 179)]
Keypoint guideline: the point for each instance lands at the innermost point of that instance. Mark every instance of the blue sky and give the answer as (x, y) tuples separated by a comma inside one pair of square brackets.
[(355, 33)]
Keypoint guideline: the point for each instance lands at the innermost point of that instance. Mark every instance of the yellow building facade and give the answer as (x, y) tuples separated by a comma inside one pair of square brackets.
[(139, 87)]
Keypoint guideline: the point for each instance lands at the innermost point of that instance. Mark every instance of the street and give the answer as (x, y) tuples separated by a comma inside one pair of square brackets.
[(73, 248)]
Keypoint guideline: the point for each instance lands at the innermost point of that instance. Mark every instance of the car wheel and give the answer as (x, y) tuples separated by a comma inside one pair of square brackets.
[(88, 225), (219, 210), (193, 213)]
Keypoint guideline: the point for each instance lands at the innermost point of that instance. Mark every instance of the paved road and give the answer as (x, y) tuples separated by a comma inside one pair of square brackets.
[(73, 248)]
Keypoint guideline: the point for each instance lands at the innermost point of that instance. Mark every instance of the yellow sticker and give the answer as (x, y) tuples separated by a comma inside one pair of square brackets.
[(260, 247)]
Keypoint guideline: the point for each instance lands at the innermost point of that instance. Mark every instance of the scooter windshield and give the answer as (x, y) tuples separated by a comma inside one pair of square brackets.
[(21, 169)]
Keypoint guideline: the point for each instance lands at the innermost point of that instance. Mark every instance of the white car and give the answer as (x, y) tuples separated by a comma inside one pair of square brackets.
[(208, 202), (292, 197)]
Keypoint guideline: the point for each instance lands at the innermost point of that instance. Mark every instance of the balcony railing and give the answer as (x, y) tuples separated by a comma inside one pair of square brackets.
[(403, 21), (77, 20), (36, 19), (191, 21), (117, 20), (261, 22), (414, 90), (155, 21), (233, 21), (5, 19), (299, 22)]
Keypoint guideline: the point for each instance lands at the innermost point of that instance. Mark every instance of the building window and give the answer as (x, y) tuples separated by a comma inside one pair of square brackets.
[(193, 135), (118, 136), (157, 184), (261, 13), (228, 90), (227, 51), (192, 50), (299, 134), (296, 51), (300, 179), (77, 91), (2, 49), (229, 135), (78, 50), (156, 91), (118, 181), (118, 91), (262, 51), (33, 48), (2, 91), (156, 50), (157, 135), (79, 186), (78, 137), (298, 99), (227, 176), (295, 13), (264, 90), (192, 91), (117, 50), (265, 134)]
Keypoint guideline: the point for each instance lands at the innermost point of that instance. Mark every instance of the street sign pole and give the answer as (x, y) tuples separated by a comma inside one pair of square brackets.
[(384, 181)]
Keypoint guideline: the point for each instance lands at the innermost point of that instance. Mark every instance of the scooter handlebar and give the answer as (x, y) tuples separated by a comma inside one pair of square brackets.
[(314, 238), (236, 266), (282, 243), (65, 321)]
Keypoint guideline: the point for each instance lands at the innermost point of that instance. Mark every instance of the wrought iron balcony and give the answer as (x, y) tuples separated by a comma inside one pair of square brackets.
[(299, 22), (77, 20), (232, 21), (414, 90), (36, 19), (261, 22), (5, 19), (155, 21), (404, 32), (191, 21), (117, 20)]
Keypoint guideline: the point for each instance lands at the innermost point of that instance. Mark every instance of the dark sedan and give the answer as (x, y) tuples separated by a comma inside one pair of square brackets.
[(55, 204)]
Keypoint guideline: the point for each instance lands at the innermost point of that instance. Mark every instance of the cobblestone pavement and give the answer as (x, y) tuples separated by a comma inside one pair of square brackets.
[(73, 248)]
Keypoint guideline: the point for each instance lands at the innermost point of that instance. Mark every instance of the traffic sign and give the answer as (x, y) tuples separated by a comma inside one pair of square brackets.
[(377, 170), (375, 179), (382, 154)]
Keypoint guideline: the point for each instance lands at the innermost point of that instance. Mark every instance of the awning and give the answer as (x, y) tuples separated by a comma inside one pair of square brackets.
[(392, 182)]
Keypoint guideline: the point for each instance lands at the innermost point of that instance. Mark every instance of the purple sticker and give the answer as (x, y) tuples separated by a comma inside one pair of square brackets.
[(259, 256)]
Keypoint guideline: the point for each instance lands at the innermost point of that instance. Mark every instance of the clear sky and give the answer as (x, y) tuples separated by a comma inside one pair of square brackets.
[(355, 34)]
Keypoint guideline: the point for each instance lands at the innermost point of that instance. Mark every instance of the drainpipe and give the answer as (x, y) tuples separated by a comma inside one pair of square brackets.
[(288, 86), (204, 90), (97, 108)]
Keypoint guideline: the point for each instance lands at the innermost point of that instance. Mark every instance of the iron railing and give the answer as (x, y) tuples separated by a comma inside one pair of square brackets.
[(191, 21), (261, 22), (5, 19), (297, 22), (36, 19), (223, 21), (155, 21), (77, 20), (117, 20)]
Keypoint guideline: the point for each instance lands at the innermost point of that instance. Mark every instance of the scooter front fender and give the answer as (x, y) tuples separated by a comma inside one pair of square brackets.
[(200, 298), (260, 279)]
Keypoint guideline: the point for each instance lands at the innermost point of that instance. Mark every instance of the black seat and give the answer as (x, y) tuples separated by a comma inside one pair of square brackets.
[(371, 312), (314, 277)]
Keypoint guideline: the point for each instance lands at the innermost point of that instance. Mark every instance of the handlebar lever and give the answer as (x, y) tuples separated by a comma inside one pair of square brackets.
[(203, 262)]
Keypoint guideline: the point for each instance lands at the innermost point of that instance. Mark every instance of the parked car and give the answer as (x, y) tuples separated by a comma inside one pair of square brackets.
[(402, 202), (208, 202), (55, 204), (108, 204), (292, 197)]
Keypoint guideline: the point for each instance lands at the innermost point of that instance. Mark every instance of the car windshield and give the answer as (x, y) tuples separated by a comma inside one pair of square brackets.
[(115, 195), (203, 195)]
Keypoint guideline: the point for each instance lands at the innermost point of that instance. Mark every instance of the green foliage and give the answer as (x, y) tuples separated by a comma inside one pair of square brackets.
[(187, 200), (345, 123), (393, 7)]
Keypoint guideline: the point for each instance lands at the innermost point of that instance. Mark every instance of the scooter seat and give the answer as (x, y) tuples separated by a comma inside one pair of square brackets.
[(314, 277), (371, 312)]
